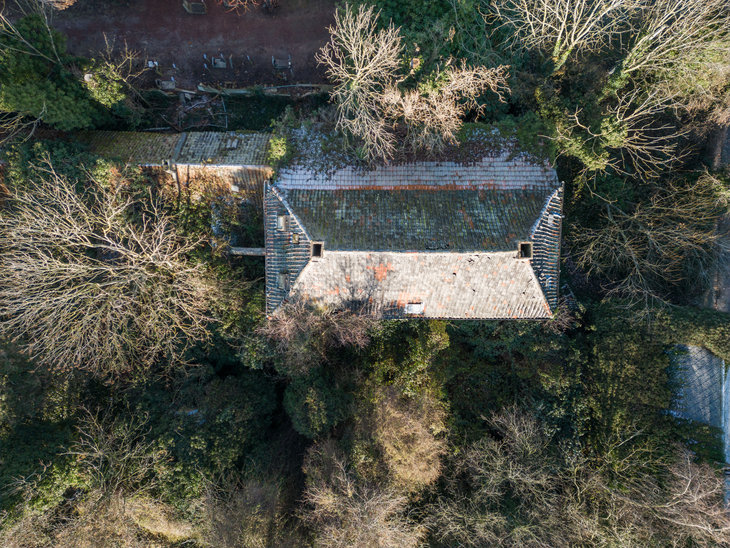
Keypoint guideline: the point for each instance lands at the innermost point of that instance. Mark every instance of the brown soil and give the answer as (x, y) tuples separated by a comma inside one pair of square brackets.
[(161, 30)]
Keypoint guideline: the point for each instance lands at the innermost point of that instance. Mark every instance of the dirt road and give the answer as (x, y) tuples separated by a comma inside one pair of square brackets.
[(162, 31)]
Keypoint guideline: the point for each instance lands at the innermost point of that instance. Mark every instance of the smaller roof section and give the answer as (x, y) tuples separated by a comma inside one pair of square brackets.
[(231, 148), (132, 147)]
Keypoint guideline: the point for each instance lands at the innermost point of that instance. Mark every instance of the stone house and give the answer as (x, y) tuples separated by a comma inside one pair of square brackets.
[(476, 239), (453, 240)]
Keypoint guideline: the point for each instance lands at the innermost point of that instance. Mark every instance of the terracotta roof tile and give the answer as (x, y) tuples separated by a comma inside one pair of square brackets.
[(441, 234)]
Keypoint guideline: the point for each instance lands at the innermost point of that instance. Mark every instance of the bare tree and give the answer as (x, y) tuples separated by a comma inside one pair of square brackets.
[(345, 513), (58, 4), (433, 119), (677, 62), (113, 75), (644, 251), (85, 287), (694, 510), (681, 48), (562, 27), (303, 335), (637, 127), (116, 465), (116, 456), (22, 44), (248, 513), (637, 133), (556, 497), (238, 6), (364, 62), (14, 124)]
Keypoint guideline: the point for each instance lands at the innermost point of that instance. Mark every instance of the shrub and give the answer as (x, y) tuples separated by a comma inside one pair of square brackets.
[(409, 432), (345, 512), (314, 404), (248, 512)]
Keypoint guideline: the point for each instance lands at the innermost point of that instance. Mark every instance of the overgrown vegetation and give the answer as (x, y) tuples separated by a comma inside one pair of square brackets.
[(146, 399)]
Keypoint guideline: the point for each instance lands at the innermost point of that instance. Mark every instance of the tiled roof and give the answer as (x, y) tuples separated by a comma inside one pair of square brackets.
[(502, 171), (237, 148), (133, 147), (417, 220), (441, 234), (283, 256), (545, 238), (448, 285), (233, 148)]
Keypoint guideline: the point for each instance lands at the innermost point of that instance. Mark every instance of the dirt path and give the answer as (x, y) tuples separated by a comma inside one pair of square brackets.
[(162, 31)]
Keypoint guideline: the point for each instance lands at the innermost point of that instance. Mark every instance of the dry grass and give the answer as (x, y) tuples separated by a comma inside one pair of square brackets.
[(248, 513), (97, 521), (158, 520)]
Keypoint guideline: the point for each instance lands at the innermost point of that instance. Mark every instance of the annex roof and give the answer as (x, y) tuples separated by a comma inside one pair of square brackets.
[(231, 148), (132, 147), (435, 239)]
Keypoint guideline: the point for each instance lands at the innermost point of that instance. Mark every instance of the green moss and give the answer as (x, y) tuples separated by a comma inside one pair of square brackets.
[(529, 131), (278, 151)]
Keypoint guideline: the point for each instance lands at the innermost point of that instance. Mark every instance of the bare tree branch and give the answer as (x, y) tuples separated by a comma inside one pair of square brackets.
[(561, 27), (652, 246), (683, 48), (365, 63), (345, 513), (85, 287)]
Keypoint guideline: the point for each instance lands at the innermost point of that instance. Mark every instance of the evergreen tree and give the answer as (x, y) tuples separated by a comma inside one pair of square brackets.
[(36, 77)]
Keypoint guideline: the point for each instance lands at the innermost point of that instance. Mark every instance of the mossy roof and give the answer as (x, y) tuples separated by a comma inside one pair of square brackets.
[(133, 147), (441, 234), (418, 220), (232, 148)]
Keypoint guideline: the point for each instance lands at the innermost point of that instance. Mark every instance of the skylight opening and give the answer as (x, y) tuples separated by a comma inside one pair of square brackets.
[(525, 250), (283, 281), (317, 249), (415, 308), (282, 222)]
